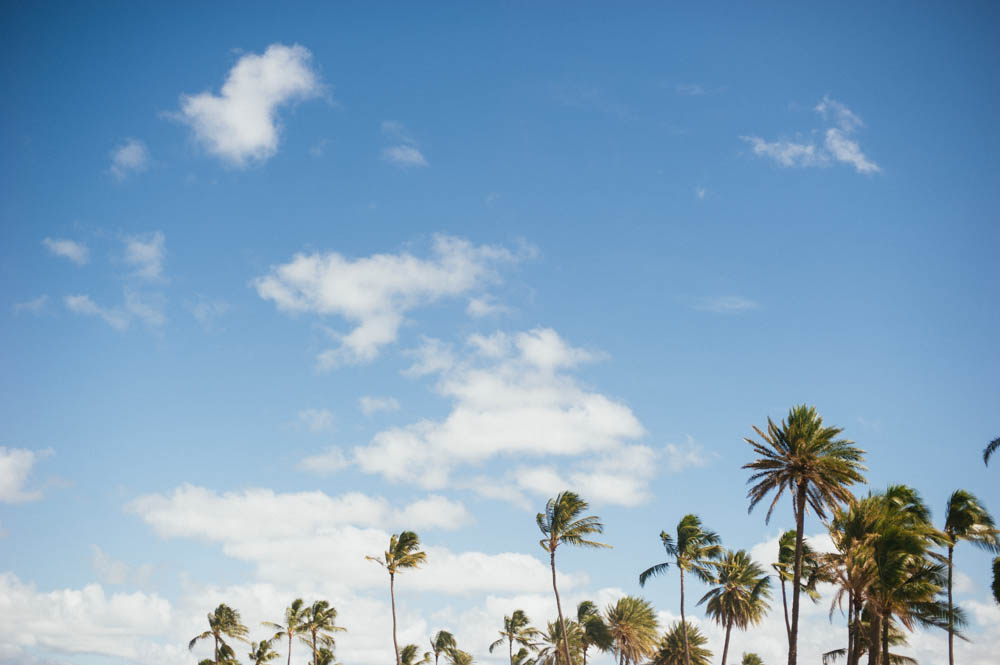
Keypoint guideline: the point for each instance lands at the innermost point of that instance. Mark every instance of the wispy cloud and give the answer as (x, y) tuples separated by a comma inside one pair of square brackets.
[(146, 254), (370, 405), (119, 318), (697, 89), (316, 420), (725, 304), (405, 153), (130, 157), (76, 252), (838, 146), (701, 193), (239, 125), (33, 306)]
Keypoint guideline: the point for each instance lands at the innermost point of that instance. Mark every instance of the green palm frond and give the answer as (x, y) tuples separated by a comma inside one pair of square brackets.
[(671, 647), (990, 448)]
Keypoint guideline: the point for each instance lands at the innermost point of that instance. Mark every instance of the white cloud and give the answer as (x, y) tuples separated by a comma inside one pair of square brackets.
[(82, 304), (119, 318), (114, 572), (240, 124), (376, 292), (837, 146), (208, 313), (484, 306), (686, 456), (146, 254), (34, 306), (701, 193), (330, 460), (725, 304), (130, 157), (371, 405), (505, 390), (15, 467), (76, 252), (316, 420), (404, 155)]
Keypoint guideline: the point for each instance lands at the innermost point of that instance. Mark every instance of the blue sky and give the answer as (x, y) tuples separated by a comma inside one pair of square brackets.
[(384, 267)]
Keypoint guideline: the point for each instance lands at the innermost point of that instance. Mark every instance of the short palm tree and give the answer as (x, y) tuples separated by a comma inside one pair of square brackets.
[(295, 621), (633, 627), (739, 598), (262, 653), (403, 553), (410, 655), (680, 643), (990, 448), (968, 520), (516, 628), (222, 623), (806, 458), (811, 570), (440, 643), (693, 549), (595, 631), (751, 659), (458, 657), (318, 626), (552, 650), (563, 523)]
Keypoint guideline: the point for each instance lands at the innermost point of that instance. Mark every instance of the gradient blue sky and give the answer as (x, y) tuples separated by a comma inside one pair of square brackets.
[(652, 227)]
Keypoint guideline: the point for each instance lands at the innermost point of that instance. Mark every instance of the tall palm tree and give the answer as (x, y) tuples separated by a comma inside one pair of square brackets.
[(633, 627), (740, 595), (680, 643), (441, 642), (516, 628), (262, 653), (968, 520), (410, 655), (403, 553), (295, 620), (563, 523), (693, 549), (806, 458), (990, 448), (223, 622), (318, 626), (595, 631)]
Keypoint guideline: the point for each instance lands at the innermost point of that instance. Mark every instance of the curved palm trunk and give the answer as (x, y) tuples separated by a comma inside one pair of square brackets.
[(800, 514), (784, 604), (392, 595), (684, 624), (850, 628), (585, 647), (951, 611), (725, 647), (562, 622)]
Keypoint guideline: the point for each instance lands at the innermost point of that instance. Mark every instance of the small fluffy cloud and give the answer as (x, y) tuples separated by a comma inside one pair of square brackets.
[(404, 155), (370, 405), (505, 390), (483, 306), (330, 460), (15, 468), (146, 254), (130, 157), (240, 124), (376, 292), (838, 146), (685, 456), (76, 252)]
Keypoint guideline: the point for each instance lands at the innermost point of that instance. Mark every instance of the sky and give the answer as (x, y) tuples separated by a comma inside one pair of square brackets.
[(280, 282)]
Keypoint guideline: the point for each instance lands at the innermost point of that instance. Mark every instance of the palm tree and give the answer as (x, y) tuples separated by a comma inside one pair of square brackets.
[(226, 657), (693, 550), (262, 653), (740, 595), (441, 642), (404, 552), (811, 570), (751, 659), (295, 620), (325, 657), (561, 523), (552, 651), (810, 461), (223, 622), (680, 643), (990, 448), (595, 631), (318, 626), (458, 657), (633, 627), (522, 657), (408, 655), (516, 628), (968, 520)]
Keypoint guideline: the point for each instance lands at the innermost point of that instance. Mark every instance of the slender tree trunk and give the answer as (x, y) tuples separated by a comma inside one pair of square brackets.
[(850, 628), (289, 643), (216, 649), (511, 650), (392, 595), (874, 640), (784, 604), (684, 623), (800, 516), (885, 640), (951, 610), (585, 647), (315, 659), (562, 622), (858, 607), (725, 647)]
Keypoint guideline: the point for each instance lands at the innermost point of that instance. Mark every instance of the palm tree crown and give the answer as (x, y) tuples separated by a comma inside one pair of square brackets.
[(262, 653), (223, 622), (516, 628), (404, 552), (441, 642), (295, 621), (318, 626), (632, 625), (740, 596), (671, 650), (595, 631)]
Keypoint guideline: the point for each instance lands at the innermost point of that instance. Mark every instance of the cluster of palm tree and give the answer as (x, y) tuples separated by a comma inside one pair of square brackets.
[(314, 625), (891, 567)]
